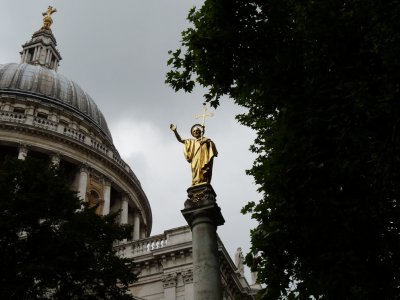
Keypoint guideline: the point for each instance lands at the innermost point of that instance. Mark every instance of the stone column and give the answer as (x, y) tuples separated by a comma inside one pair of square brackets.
[(39, 55), (34, 54), (46, 57), (124, 210), (83, 179), (203, 216), (136, 225), (22, 151), (106, 197), (23, 55), (169, 284), (143, 231)]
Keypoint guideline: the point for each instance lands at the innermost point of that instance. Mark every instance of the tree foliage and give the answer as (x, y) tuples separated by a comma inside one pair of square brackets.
[(321, 82), (52, 246)]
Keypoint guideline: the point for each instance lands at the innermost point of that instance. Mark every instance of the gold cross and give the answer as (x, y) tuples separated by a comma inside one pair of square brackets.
[(204, 115), (50, 10), (47, 20)]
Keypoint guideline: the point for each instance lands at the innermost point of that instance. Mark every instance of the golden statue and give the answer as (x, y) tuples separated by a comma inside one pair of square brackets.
[(47, 20), (199, 152)]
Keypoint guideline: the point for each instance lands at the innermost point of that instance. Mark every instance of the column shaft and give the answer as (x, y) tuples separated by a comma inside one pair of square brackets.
[(82, 186), (39, 54), (107, 198), (124, 212), (34, 54), (206, 275), (143, 232), (136, 226)]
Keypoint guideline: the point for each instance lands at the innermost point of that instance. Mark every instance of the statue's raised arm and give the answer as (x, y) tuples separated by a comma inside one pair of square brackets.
[(178, 137)]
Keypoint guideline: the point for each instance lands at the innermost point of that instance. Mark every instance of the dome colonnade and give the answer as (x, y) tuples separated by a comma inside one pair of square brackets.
[(43, 114)]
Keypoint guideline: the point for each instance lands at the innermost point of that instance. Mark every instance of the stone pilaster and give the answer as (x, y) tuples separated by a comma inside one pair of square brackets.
[(203, 216), (169, 284), (187, 277)]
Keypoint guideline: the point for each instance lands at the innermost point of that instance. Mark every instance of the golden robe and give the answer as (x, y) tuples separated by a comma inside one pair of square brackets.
[(200, 158)]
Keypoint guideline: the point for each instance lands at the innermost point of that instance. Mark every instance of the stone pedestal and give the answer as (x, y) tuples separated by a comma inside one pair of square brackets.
[(203, 216)]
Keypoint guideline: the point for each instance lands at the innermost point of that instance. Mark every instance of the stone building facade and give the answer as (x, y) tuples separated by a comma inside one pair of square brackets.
[(46, 115), (164, 264)]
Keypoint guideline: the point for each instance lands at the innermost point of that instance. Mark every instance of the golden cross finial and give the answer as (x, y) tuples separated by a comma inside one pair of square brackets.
[(47, 20), (204, 114)]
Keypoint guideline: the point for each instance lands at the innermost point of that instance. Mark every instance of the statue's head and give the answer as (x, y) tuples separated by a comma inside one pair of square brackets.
[(197, 130)]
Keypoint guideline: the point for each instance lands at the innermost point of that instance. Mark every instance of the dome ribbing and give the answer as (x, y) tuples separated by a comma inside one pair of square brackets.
[(49, 86)]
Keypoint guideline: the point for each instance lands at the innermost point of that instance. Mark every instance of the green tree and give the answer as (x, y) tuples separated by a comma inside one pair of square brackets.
[(321, 81), (52, 246)]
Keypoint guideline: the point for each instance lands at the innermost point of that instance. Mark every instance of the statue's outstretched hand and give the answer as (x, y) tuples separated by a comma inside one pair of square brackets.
[(172, 127)]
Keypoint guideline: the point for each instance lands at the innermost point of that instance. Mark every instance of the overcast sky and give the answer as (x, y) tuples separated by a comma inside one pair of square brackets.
[(117, 52)]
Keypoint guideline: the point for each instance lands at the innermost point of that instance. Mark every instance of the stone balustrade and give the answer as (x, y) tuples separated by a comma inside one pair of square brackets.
[(10, 116), (44, 123), (21, 118), (171, 237), (98, 146), (74, 134), (143, 246)]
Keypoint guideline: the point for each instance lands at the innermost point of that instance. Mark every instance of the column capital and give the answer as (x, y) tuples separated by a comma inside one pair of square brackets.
[(23, 150), (125, 196), (201, 206), (187, 276), (200, 195), (169, 280), (55, 158), (83, 168), (106, 180)]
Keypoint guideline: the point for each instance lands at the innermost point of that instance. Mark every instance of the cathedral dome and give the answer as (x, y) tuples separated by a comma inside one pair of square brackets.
[(45, 115), (46, 85)]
